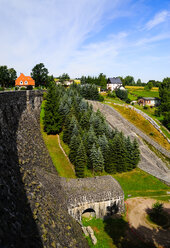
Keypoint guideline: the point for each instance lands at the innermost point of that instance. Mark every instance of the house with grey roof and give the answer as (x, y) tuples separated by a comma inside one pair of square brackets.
[(150, 101), (114, 83)]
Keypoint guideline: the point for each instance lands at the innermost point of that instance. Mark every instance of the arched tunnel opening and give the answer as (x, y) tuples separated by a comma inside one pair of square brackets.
[(88, 213)]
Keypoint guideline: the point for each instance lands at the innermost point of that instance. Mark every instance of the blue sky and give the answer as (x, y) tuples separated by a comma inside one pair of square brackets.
[(86, 37)]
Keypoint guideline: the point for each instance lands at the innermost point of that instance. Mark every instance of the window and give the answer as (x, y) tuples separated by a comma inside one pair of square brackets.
[(26, 82), (21, 82)]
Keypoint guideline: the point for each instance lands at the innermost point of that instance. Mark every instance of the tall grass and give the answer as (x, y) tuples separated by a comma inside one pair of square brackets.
[(143, 124)]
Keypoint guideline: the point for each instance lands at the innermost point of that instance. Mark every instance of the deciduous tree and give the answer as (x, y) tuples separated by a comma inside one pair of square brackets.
[(40, 74)]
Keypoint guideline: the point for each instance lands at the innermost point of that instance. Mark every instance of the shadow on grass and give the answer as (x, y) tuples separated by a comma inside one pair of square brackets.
[(123, 235), (161, 219)]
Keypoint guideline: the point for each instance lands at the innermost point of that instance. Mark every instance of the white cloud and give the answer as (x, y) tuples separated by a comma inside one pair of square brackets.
[(48, 31), (152, 39), (66, 36), (158, 18), (97, 57)]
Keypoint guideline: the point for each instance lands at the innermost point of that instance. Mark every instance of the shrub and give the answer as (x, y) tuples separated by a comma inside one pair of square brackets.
[(157, 208), (111, 94), (44, 95), (128, 101), (157, 112), (29, 87), (101, 98), (122, 94), (145, 107), (1, 89), (22, 88), (16, 88), (158, 216)]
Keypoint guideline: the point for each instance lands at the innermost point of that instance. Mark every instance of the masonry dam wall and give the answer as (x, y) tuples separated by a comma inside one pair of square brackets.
[(33, 205)]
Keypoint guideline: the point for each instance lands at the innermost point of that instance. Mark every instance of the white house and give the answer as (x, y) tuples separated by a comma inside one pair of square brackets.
[(114, 83)]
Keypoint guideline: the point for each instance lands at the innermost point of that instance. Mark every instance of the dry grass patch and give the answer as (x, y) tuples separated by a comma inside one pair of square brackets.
[(143, 124)]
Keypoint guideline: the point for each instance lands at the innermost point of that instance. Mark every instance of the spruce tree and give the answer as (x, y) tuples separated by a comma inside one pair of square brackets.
[(63, 110), (84, 121), (66, 127), (75, 130), (110, 166), (80, 161), (90, 140), (103, 143), (120, 152), (117, 155), (96, 159), (52, 119), (68, 130), (74, 145)]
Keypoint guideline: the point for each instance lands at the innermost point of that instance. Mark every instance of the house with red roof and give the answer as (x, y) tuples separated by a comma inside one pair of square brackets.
[(24, 81)]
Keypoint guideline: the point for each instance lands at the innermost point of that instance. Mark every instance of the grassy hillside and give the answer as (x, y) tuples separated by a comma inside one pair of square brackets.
[(136, 91), (140, 122), (60, 162)]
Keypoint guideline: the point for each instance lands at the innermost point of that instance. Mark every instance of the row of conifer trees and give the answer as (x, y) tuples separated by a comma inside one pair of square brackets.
[(93, 144)]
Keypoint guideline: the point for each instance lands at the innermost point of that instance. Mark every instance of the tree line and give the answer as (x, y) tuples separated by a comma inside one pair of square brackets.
[(7, 76), (39, 73), (164, 108), (93, 144)]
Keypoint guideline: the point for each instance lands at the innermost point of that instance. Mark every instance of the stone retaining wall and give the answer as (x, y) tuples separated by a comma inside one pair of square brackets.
[(32, 203)]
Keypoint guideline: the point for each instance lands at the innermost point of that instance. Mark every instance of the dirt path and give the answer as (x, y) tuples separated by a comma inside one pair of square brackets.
[(136, 215), (64, 152)]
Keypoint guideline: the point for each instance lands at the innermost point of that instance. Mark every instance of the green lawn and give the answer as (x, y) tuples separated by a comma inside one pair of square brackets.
[(113, 233), (139, 183), (142, 93), (135, 92), (109, 233)]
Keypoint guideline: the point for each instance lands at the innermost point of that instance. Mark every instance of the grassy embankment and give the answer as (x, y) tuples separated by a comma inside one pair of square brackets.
[(134, 93), (140, 122), (61, 163)]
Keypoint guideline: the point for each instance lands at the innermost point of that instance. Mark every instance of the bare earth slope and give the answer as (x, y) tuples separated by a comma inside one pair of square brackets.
[(149, 161), (136, 215)]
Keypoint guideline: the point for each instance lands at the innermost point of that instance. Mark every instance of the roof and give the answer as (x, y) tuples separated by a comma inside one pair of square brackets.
[(114, 80), (93, 189), (149, 98), (24, 78)]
